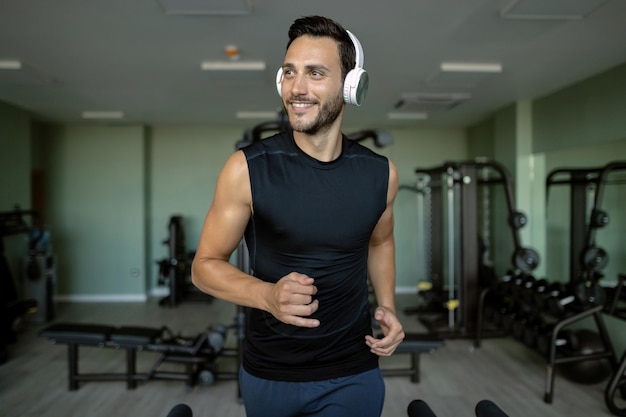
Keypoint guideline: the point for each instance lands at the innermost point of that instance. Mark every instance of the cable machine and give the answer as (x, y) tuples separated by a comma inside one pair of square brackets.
[(587, 260), (455, 198)]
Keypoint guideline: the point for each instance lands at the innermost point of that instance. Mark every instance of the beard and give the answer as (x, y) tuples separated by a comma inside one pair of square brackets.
[(328, 113)]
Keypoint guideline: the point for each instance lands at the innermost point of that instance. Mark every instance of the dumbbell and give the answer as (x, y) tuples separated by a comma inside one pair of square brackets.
[(531, 286), (517, 285), (558, 297)]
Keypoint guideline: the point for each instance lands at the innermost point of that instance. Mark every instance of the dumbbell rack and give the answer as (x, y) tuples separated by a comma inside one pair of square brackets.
[(554, 355)]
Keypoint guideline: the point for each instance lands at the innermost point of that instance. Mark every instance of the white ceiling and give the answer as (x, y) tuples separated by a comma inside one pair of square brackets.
[(143, 57)]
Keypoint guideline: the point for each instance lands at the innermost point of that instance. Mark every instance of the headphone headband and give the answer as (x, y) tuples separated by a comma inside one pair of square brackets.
[(358, 49)]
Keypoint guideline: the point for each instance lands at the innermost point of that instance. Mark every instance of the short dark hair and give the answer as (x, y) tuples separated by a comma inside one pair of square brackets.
[(318, 27)]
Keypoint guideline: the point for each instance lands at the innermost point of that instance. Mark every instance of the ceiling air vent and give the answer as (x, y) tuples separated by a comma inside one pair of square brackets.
[(430, 102)]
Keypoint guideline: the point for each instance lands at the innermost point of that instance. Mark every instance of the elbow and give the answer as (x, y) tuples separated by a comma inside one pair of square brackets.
[(199, 274)]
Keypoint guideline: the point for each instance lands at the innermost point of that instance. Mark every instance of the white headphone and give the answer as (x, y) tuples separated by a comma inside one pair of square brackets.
[(356, 82)]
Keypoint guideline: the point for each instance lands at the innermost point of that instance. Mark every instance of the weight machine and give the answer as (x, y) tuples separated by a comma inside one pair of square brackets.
[(175, 270), (587, 259), (450, 197)]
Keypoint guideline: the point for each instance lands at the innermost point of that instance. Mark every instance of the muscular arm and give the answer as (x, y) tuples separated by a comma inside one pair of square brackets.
[(290, 299), (382, 273)]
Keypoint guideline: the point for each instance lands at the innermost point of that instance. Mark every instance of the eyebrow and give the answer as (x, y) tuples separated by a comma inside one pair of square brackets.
[(308, 67)]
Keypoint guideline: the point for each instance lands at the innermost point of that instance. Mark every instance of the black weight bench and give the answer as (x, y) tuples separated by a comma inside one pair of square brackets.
[(414, 344), (193, 352)]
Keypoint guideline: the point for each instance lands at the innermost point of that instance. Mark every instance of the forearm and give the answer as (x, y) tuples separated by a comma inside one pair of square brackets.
[(225, 281), (382, 273), (290, 300)]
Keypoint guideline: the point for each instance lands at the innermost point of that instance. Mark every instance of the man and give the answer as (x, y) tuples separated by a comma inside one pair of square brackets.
[(317, 213)]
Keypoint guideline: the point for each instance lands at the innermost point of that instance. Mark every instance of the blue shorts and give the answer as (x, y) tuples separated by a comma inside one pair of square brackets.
[(360, 395)]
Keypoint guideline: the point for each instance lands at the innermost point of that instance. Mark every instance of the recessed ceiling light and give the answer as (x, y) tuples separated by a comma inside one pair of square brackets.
[(103, 115), (10, 64), (470, 67), (233, 65), (204, 7), (257, 115), (407, 116)]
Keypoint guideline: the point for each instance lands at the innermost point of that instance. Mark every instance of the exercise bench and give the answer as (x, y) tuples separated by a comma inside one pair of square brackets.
[(194, 353), (414, 344)]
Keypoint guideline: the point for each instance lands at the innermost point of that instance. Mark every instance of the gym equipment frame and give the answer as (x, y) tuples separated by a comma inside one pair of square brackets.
[(454, 240)]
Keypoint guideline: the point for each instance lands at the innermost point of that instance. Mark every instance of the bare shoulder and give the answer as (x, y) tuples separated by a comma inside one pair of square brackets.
[(236, 165), (234, 180), (393, 182)]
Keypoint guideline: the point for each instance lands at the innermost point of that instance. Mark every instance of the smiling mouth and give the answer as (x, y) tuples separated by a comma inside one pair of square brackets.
[(301, 107)]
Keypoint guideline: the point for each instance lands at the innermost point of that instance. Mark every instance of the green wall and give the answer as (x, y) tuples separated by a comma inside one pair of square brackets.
[(15, 158), (584, 126), (184, 164), (15, 166), (95, 203), (586, 113)]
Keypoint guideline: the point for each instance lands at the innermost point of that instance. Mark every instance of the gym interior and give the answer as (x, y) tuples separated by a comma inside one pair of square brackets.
[(510, 257)]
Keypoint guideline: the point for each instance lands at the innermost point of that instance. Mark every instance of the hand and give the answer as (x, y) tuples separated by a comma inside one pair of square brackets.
[(392, 331), (292, 300)]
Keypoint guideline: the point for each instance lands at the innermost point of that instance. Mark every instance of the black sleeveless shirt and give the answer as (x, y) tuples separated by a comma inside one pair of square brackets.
[(315, 218)]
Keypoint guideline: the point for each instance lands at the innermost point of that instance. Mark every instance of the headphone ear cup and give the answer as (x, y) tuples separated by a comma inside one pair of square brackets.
[(355, 86), (279, 80)]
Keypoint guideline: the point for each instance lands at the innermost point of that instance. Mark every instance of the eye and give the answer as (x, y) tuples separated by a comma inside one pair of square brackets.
[(288, 72)]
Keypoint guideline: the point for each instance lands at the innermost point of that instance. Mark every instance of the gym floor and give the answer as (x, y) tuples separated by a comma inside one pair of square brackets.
[(453, 379)]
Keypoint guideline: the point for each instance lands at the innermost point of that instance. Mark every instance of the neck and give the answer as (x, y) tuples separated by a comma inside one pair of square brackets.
[(323, 146)]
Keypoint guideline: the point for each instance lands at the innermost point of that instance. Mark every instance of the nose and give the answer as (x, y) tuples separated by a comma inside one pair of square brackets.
[(299, 85)]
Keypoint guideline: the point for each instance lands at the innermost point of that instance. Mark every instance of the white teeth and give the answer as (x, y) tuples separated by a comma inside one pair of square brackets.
[(300, 104)]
